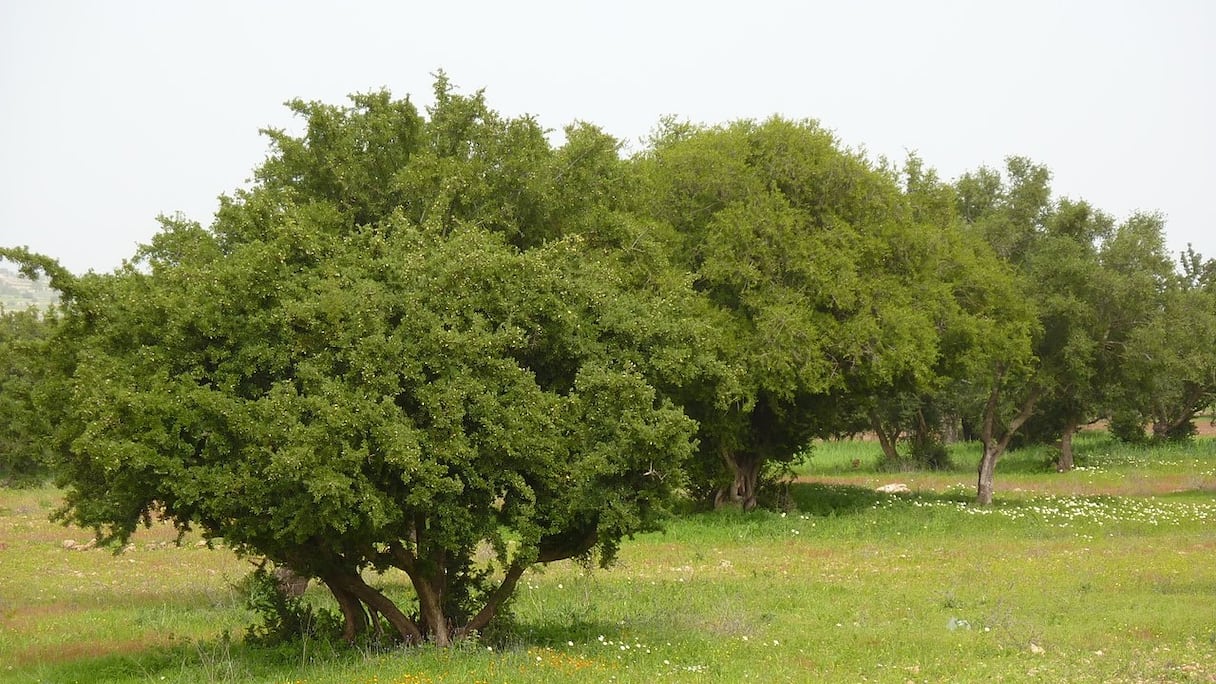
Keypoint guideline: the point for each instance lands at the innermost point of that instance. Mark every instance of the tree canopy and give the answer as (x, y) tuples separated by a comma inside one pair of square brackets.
[(359, 365), (437, 342), (817, 269)]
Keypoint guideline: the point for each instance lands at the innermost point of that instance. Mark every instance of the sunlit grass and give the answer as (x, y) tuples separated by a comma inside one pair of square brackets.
[(1099, 575)]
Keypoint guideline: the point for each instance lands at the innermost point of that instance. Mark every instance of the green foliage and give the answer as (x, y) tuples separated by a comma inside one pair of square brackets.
[(25, 429), (813, 265), (1128, 426), (1170, 370), (283, 618), (359, 365)]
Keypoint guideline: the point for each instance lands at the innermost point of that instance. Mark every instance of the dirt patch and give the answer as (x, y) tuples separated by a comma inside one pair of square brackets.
[(32, 614), (45, 654), (1204, 427)]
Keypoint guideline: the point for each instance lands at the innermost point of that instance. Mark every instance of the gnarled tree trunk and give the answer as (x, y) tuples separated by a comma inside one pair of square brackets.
[(742, 490), (355, 619), (350, 585), (994, 445)]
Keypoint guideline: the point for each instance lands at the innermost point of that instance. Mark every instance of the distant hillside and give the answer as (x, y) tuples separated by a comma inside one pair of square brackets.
[(18, 292)]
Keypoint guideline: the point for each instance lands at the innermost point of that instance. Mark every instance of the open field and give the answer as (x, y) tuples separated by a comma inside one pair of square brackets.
[(1104, 574)]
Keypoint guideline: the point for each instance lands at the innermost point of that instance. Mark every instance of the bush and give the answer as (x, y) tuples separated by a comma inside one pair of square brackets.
[(284, 618), (1128, 427)]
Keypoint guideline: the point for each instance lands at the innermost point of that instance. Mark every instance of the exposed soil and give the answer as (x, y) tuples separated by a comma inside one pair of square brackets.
[(44, 654)]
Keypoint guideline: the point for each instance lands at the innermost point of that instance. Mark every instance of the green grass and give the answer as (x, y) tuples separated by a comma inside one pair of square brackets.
[(1105, 574)]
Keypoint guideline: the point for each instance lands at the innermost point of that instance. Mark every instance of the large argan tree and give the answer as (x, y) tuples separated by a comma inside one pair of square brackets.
[(1002, 382), (387, 353)]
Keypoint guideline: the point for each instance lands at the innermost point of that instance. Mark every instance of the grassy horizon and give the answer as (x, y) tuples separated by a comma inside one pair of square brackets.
[(1103, 574)]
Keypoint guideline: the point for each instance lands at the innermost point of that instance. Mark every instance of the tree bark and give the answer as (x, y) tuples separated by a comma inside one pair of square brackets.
[(496, 599), (987, 475), (354, 618), (354, 584), (429, 588), (430, 607), (1066, 461), (995, 446), (885, 439), (741, 492)]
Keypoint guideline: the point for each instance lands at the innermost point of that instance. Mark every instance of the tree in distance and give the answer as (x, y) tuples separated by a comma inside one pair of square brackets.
[(817, 272), (24, 450), (1170, 371)]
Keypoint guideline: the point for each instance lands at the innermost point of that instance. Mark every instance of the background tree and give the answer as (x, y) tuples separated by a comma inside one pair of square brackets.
[(1171, 358), (1062, 268), (1131, 283), (918, 410), (25, 452), (1003, 382), (811, 260)]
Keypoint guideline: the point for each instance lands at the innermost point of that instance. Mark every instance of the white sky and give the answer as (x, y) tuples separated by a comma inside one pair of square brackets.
[(113, 112)]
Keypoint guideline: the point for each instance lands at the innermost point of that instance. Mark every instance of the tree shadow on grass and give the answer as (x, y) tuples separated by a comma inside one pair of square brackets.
[(820, 499), (834, 500), (823, 499), (558, 631)]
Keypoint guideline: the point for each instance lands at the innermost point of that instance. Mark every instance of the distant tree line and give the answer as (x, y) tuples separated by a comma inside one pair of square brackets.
[(420, 334)]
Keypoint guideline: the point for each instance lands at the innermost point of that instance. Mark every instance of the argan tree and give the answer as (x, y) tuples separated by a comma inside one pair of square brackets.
[(814, 265), (1170, 367), (1001, 380), (387, 353)]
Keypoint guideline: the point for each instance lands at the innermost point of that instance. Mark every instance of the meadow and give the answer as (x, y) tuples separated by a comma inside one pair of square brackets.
[(1103, 574)]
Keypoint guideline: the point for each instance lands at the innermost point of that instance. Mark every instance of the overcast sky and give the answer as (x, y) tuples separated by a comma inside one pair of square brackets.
[(114, 112)]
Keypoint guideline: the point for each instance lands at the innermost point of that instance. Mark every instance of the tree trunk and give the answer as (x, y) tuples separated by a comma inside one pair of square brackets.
[(885, 439), (741, 492), (430, 608), (496, 599), (290, 583), (428, 585), (354, 618), (1066, 462), (354, 584), (987, 474), (994, 447)]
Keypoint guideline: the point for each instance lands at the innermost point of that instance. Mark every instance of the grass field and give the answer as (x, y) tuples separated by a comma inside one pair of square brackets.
[(1104, 574)]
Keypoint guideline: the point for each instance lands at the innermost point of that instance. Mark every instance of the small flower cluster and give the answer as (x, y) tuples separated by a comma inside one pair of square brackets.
[(567, 663), (1060, 510), (623, 645)]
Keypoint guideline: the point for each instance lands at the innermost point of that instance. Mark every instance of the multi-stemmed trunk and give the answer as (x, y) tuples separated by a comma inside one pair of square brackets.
[(994, 444), (745, 471), (361, 604), (887, 437), (1171, 417), (365, 608)]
